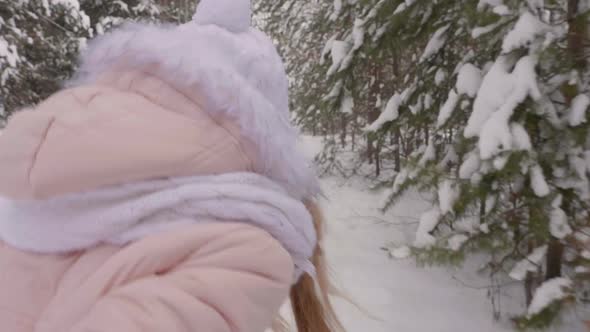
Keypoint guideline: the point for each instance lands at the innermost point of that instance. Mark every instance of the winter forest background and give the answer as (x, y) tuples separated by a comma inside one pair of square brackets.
[(478, 105)]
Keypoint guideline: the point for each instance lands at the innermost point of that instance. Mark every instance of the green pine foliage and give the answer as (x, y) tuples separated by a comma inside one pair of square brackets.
[(299, 31), (40, 40), (479, 103)]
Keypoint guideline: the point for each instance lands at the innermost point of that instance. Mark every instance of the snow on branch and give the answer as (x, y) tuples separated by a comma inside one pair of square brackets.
[(538, 182), (527, 28), (436, 43), (428, 222), (549, 292), (447, 109), (558, 225), (339, 51), (577, 114), (529, 264), (390, 113), (495, 135), (8, 52), (447, 196), (469, 80)]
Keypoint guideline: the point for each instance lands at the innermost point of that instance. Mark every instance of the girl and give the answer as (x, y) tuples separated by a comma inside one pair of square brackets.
[(162, 191)]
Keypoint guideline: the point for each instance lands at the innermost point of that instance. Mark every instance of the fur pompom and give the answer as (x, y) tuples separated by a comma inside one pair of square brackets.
[(233, 15)]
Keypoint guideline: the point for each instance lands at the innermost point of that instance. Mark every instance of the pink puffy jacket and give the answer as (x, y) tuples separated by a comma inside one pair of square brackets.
[(130, 127)]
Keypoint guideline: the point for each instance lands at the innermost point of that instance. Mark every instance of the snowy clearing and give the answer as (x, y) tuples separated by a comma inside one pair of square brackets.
[(400, 295)]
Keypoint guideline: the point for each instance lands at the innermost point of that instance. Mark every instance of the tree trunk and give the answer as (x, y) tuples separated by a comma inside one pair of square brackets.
[(372, 116), (554, 259), (578, 29), (575, 40), (378, 158), (370, 150), (398, 150), (353, 130), (343, 133), (373, 113), (529, 282), (405, 145), (332, 129), (576, 34), (482, 208)]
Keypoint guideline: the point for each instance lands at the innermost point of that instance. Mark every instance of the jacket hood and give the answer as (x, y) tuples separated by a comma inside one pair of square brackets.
[(239, 76)]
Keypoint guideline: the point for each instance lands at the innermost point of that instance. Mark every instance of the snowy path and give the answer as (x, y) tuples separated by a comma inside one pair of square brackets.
[(405, 297), (402, 296)]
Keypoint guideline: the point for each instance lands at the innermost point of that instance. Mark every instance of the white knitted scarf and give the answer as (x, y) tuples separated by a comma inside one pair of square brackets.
[(127, 213)]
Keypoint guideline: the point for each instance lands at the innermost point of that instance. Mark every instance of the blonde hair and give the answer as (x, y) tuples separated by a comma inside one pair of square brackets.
[(310, 298)]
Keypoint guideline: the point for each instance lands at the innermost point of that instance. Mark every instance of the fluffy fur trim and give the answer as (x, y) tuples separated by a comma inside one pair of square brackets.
[(240, 75), (127, 213)]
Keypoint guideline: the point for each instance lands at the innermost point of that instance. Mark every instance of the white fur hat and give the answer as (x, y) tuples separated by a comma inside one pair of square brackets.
[(249, 51), (236, 68)]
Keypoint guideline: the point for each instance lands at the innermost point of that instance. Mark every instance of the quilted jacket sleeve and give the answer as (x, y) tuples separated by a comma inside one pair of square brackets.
[(222, 279)]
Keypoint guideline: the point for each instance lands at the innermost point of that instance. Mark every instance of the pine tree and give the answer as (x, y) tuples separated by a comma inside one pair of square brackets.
[(356, 61), (39, 40), (485, 103), (177, 11), (508, 160), (298, 30), (106, 15)]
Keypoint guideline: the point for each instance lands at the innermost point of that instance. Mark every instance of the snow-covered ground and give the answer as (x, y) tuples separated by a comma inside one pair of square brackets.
[(398, 294), (402, 296)]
